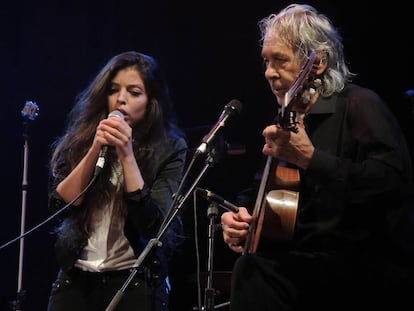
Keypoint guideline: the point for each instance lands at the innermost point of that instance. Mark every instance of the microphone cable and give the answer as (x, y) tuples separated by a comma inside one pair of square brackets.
[(50, 217)]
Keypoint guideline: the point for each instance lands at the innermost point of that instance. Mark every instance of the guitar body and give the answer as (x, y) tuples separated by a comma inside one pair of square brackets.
[(281, 203), (274, 214)]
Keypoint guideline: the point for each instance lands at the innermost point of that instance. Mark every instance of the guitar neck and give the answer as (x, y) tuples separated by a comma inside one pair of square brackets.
[(253, 237), (300, 80), (277, 197), (287, 117)]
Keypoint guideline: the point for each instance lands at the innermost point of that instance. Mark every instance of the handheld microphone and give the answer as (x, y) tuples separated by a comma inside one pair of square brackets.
[(232, 108), (210, 196), (102, 154)]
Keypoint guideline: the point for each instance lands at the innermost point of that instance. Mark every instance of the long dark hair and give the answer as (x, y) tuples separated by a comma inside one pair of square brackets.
[(91, 106)]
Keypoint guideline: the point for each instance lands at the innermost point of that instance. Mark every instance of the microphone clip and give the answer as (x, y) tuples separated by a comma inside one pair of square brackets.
[(212, 197)]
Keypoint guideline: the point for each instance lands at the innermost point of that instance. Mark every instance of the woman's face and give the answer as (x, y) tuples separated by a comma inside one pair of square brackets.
[(128, 94)]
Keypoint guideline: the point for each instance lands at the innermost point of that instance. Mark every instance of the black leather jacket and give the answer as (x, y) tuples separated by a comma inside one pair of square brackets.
[(146, 210)]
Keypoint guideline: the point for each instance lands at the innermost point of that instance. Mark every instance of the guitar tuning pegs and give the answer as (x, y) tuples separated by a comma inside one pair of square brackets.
[(306, 99), (317, 83)]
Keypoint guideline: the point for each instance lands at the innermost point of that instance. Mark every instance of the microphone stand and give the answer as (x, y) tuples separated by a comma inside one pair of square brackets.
[(29, 113), (157, 240), (212, 212), (209, 294)]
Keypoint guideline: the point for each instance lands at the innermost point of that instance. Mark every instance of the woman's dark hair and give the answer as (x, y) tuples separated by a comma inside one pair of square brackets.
[(91, 106)]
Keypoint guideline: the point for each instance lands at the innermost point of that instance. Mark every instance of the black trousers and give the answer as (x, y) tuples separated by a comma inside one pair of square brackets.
[(93, 291), (301, 283)]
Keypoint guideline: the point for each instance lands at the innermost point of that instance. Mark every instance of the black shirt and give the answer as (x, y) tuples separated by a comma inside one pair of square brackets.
[(353, 190)]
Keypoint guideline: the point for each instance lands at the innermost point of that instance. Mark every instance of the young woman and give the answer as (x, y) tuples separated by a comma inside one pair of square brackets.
[(126, 111)]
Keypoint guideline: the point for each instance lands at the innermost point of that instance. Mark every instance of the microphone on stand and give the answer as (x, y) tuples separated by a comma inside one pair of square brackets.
[(232, 108), (210, 196), (102, 154)]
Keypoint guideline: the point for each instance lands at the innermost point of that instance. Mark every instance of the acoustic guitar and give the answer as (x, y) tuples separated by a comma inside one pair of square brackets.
[(275, 210)]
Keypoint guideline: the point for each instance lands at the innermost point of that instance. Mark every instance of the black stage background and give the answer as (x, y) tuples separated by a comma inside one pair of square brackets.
[(210, 52)]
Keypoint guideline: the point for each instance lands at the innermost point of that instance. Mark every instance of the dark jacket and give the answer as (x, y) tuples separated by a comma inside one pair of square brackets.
[(355, 189), (146, 210)]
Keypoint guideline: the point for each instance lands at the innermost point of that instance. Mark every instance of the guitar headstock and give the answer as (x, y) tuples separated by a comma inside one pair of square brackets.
[(300, 93)]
